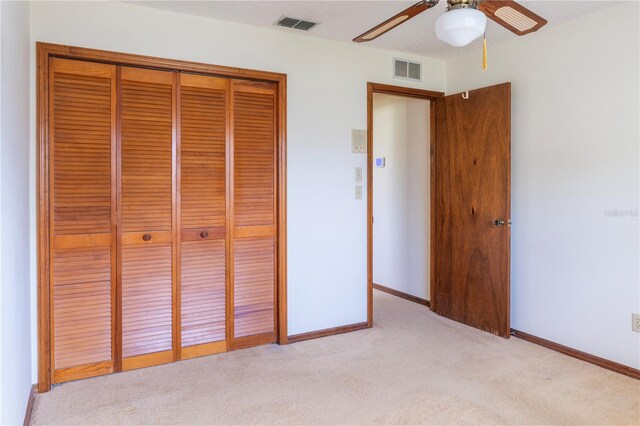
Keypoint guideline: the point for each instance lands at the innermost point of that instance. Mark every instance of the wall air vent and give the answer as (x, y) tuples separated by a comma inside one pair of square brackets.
[(407, 70), (295, 23)]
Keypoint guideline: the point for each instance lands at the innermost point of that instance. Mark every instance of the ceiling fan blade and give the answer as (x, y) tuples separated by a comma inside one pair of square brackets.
[(513, 16), (396, 20)]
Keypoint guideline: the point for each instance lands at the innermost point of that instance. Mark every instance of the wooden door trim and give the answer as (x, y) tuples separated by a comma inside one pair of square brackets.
[(583, 356), (143, 61), (410, 93), (46, 51), (402, 295), (295, 338)]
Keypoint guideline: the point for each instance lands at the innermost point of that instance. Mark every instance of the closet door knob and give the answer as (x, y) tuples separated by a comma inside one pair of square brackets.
[(204, 234), (146, 237)]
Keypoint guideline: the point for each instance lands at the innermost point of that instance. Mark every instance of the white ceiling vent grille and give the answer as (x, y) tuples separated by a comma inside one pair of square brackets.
[(407, 70), (295, 23)]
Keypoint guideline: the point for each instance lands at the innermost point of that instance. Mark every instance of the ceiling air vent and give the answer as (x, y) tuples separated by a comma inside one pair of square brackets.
[(295, 23), (407, 70)]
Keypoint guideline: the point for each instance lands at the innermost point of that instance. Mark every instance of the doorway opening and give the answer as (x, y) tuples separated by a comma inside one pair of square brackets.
[(399, 200)]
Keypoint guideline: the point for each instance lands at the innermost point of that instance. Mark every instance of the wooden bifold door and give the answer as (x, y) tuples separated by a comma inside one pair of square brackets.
[(163, 206)]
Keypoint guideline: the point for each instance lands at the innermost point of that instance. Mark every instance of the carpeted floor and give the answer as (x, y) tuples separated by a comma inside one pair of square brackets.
[(413, 367)]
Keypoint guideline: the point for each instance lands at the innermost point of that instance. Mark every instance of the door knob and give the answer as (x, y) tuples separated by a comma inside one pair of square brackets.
[(498, 223), (204, 234), (146, 237)]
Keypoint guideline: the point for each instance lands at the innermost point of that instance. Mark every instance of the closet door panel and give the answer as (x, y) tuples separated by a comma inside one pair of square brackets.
[(254, 155), (161, 213), (82, 222), (203, 121), (82, 309), (254, 214), (203, 292), (146, 299), (203, 207), (254, 272), (147, 148)]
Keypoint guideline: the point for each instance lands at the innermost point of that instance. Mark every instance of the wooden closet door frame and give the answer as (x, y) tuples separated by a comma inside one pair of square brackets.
[(46, 51)]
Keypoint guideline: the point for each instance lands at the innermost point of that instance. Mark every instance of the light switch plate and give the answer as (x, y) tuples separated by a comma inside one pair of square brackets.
[(380, 162), (358, 175), (358, 141), (358, 192)]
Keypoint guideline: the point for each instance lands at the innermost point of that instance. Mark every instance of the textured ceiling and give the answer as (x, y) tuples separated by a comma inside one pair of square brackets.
[(344, 20)]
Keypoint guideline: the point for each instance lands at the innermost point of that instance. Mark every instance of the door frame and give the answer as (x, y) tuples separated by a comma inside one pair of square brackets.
[(409, 92), (46, 51)]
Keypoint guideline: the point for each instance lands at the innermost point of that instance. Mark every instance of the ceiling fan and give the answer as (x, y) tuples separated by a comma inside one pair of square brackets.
[(464, 20)]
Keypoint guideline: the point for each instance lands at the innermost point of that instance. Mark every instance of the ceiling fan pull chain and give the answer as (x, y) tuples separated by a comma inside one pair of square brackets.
[(484, 53)]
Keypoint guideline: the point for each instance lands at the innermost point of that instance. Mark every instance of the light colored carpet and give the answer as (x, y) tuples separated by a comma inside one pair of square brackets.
[(413, 367)]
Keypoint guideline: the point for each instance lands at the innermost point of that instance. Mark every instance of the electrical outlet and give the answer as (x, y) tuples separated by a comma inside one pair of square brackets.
[(358, 174), (358, 192), (635, 322)]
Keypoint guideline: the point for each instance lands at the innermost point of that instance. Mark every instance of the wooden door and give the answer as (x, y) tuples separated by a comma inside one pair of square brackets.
[(253, 213), (147, 217), (203, 213), (158, 216), (472, 159), (82, 99)]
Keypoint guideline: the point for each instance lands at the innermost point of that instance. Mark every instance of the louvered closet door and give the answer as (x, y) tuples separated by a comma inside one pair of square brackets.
[(254, 213), (203, 139), (147, 206), (82, 222)]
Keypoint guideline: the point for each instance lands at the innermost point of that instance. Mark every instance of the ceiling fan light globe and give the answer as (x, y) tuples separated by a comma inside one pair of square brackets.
[(460, 27)]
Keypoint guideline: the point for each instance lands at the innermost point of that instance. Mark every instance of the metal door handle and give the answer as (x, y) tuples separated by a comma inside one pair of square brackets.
[(498, 223)]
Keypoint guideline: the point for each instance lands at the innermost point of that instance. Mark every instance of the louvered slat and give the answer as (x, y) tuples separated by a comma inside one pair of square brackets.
[(82, 144), (254, 173), (202, 146), (254, 286), (203, 292), (82, 306), (147, 204), (254, 212), (146, 299), (81, 154), (203, 131), (146, 153)]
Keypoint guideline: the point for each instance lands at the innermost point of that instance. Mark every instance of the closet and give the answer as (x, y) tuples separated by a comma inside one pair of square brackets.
[(162, 216)]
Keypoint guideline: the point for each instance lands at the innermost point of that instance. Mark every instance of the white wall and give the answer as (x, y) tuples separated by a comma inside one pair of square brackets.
[(401, 132), (15, 343), (327, 98), (575, 155)]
